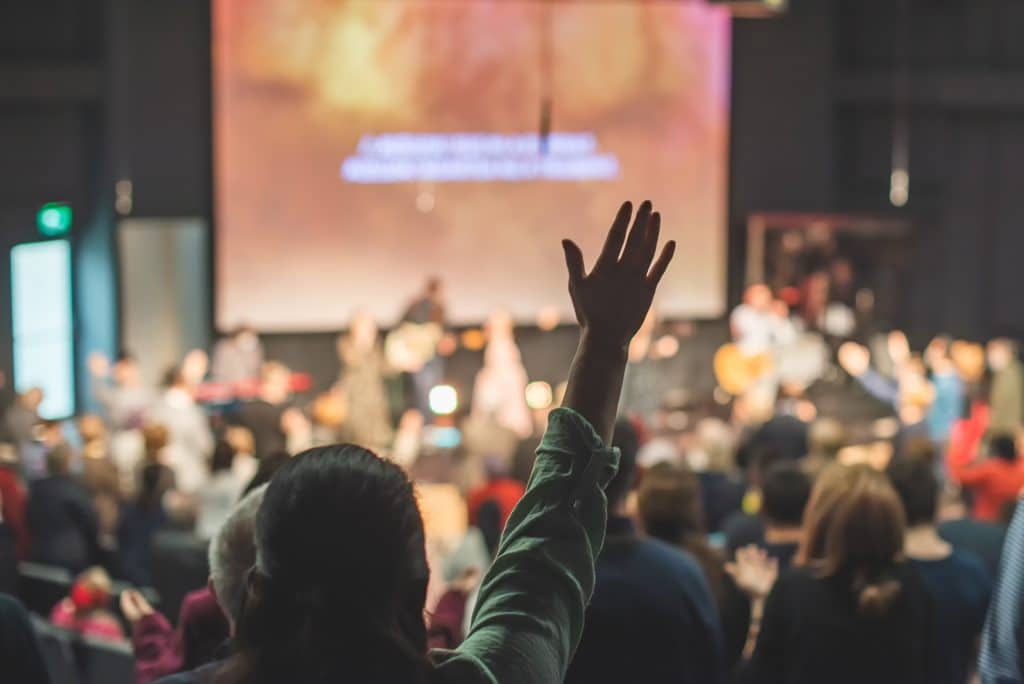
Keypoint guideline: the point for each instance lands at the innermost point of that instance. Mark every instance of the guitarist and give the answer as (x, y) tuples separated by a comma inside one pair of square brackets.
[(759, 326)]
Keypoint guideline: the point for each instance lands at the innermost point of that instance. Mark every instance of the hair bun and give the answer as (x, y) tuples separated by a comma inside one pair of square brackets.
[(874, 599)]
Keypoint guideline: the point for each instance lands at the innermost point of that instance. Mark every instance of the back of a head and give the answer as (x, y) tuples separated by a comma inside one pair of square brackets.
[(853, 528), (268, 467), (232, 552), (917, 487), (155, 437), (1003, 447), (825, 437), (625, 438), (785, 490), (58, 460), (223, 457), (669, 502), (338, 591)]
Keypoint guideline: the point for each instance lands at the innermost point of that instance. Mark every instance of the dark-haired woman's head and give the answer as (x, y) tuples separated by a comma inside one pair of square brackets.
[(1004, 447), (853, 529), (338, 590)]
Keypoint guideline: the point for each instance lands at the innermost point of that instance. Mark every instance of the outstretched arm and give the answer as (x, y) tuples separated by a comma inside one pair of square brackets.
[(611, 303), (529, 615)]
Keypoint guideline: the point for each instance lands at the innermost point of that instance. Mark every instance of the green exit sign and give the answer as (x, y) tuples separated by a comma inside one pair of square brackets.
[(53, 219)]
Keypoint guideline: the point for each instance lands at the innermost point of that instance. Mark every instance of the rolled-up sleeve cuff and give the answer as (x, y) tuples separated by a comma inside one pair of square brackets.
[(593, 464)]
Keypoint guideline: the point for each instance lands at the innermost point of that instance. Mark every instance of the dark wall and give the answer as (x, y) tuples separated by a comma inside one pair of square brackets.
[(93, 91)]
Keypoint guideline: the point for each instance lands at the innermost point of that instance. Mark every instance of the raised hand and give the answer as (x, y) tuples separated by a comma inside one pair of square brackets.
[(612, 300), (753, 571)]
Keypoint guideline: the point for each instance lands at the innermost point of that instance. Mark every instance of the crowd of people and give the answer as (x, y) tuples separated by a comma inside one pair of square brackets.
[(756, 541)]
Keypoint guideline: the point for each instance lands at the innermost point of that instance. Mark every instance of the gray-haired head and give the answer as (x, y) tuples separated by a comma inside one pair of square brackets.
[(233, 551)]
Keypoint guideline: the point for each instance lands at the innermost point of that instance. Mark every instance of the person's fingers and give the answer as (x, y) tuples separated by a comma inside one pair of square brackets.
[(650, 246), (661, 265), (616, 236), (573, 261), (633, 253), (732, 570)]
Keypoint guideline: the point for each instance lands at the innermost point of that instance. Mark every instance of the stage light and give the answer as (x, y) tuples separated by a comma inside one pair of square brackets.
[(539, 395), (444, 400), (53, 219), (473, 339), (666, 347)]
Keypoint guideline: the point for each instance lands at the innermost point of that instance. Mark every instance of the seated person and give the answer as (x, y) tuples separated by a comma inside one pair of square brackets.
[(208, 615), (994, 482), (61, 519), (86, 610), (20, 655)]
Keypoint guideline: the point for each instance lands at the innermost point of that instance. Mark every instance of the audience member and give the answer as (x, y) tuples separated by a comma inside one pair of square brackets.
[(305, 596), (949, 391), (994, 482), (219, 494), (208, 615), (956, 580), (144, 514), (264, 415), (120, 389), (503, 490), (983, 539), (785, 433), (245, 464), (86, 610), (22, 416), (21, 659), (668, 503), (190, 441), (851, 612), (368, 419), (13, 500), (825, 439), (1002, 640), (61, 519), (785, 489), (651, 600)]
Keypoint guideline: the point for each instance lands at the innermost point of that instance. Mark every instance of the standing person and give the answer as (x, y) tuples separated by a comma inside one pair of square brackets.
[(120, 389), (368, 419), (190, 440), (238, 357), (218, 495), (1006, 396), (994, 482), (949, 391), (956, 580), (22, 416), (264, 416), (668, 502), (316, 613), (499, 391), (144, 514), (652, 599), (61, 519), (850, 612), (428, 308)]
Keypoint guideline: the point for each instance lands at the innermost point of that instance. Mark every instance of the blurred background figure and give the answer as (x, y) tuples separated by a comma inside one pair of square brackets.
[(237, 357), (367, 411)]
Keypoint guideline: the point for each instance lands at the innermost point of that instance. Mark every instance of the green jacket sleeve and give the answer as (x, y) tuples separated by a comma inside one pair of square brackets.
[(529, 614)]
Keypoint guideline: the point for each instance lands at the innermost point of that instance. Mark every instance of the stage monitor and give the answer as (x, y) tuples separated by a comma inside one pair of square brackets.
[(362, 146)]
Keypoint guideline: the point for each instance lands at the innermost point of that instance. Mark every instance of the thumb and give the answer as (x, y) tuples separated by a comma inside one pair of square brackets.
[(573, 261)]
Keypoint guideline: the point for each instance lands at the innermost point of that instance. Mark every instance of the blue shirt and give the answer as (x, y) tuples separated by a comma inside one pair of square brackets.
[(652, 618), (960, 588)]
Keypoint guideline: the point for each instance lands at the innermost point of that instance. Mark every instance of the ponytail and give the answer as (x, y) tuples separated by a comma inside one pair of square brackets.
[(875, 599)]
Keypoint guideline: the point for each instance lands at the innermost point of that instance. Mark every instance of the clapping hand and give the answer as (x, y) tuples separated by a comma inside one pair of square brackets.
[(612, 300), (134, 606)]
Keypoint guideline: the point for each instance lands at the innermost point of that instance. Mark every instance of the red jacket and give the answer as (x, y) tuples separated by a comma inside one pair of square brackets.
[(161, 650), (994, 482), (12, 506)]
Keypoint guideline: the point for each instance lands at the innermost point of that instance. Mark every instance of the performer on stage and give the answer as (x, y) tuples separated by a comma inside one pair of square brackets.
[(362, 384), (428, 309), (500, 388), (238, 357), (760, 323)]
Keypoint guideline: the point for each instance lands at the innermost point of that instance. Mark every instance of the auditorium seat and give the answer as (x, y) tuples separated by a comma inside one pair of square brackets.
[(104, 662), (179, 566), (40, 586), (58, 649)]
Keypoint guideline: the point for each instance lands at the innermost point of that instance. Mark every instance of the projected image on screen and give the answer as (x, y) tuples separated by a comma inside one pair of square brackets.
[(362, 146)]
